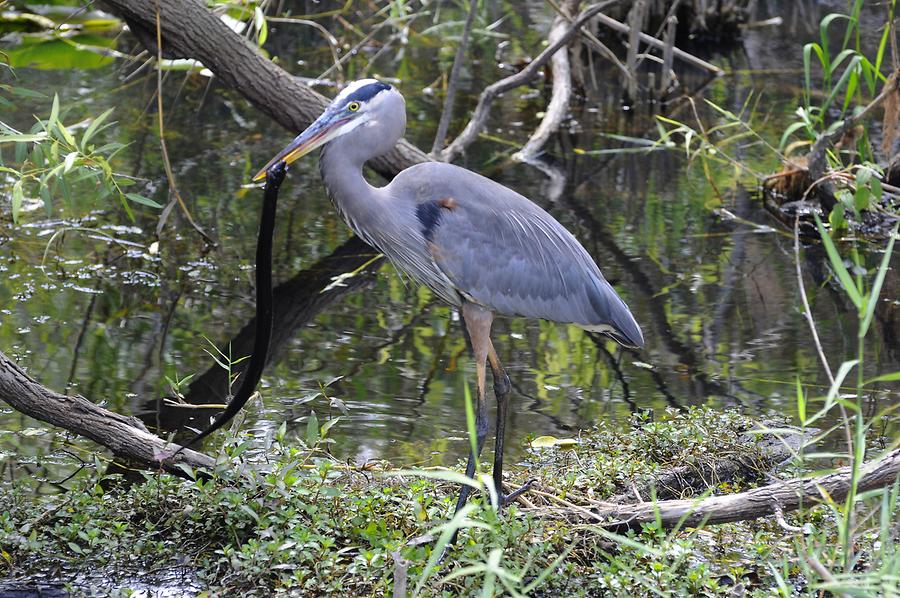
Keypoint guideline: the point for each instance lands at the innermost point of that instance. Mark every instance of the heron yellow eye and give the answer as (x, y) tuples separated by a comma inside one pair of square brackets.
[(353, 106)]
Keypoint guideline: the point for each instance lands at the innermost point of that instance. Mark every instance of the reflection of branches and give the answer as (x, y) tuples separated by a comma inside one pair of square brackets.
[(76, 351), (655, 301), (296, 302), (537, 407), (600, 342)]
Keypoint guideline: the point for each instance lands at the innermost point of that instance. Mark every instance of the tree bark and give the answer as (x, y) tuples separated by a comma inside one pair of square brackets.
[(783, 496), (125, 436), (190, 30)]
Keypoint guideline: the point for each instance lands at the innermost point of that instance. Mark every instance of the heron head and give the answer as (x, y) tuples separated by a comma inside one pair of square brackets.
[(361, 102)]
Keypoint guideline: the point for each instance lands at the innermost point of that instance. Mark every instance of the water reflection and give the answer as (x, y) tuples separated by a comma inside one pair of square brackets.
[(716, 295)]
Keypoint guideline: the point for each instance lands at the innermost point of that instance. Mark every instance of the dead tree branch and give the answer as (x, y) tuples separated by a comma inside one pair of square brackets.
[(562, 87), (449, 99), (494, 90), (764, 501), (125, 436)]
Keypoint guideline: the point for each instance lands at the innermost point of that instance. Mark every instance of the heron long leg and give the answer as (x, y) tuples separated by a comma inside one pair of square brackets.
[(501, 391), (478, 325)]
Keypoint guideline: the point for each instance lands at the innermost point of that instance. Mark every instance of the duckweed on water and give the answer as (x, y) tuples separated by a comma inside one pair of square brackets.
[(301, 523)]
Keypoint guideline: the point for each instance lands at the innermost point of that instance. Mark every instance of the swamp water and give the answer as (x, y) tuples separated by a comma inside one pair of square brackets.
[(89, 306)]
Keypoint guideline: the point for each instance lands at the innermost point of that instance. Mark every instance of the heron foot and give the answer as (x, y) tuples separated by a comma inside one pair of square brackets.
[(502, 385)]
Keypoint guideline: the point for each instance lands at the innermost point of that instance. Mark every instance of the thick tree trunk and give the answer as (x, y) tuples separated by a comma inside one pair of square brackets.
[(190, 30)]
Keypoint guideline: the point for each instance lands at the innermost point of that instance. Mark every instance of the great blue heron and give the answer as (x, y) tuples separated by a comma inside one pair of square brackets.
[(478, 245)]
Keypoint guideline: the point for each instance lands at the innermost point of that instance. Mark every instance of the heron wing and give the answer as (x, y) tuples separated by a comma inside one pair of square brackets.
[(503, 251)]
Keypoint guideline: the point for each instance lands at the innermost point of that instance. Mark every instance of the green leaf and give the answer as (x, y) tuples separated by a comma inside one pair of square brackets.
[(92, 128), (861, 199), (552, 441), (66, 135), (841, 83), (836, 219), (892, 377), (146, 201), (18, 196), (69, 162), (312, 429), (879, 281), (262, 29), (788, 132), (470, 425), (23, 138), (838, 264), (54, 110), (28, 93), (329, 424)]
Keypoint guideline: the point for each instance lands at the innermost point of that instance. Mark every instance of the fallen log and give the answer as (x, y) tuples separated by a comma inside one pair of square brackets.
[(683, 481), (125, 436), (788, 495)]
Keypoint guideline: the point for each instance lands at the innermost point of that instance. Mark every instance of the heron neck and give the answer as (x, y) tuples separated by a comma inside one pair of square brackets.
[(358, 203), (341, 167)]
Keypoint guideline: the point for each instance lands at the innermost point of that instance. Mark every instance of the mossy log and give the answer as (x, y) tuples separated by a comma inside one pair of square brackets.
[(772, 499)]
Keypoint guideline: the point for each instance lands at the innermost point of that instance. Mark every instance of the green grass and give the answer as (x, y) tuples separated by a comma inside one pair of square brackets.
[(301, 522)]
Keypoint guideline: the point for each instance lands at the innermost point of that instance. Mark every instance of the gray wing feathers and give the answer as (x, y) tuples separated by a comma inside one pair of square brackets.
[(501, 250)]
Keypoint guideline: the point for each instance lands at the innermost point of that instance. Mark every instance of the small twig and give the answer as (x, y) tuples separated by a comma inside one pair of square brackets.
[(566, 503), (652, 41), (332, 41), (824, 573), (492, 91), (450, 96), (162, 142), (806, 310), (782, 522)]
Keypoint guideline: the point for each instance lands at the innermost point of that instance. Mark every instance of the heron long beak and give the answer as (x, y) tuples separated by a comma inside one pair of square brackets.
[(320, 132)]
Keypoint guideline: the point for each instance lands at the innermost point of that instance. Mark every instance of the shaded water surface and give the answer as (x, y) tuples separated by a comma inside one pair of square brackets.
[(87, 304)]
